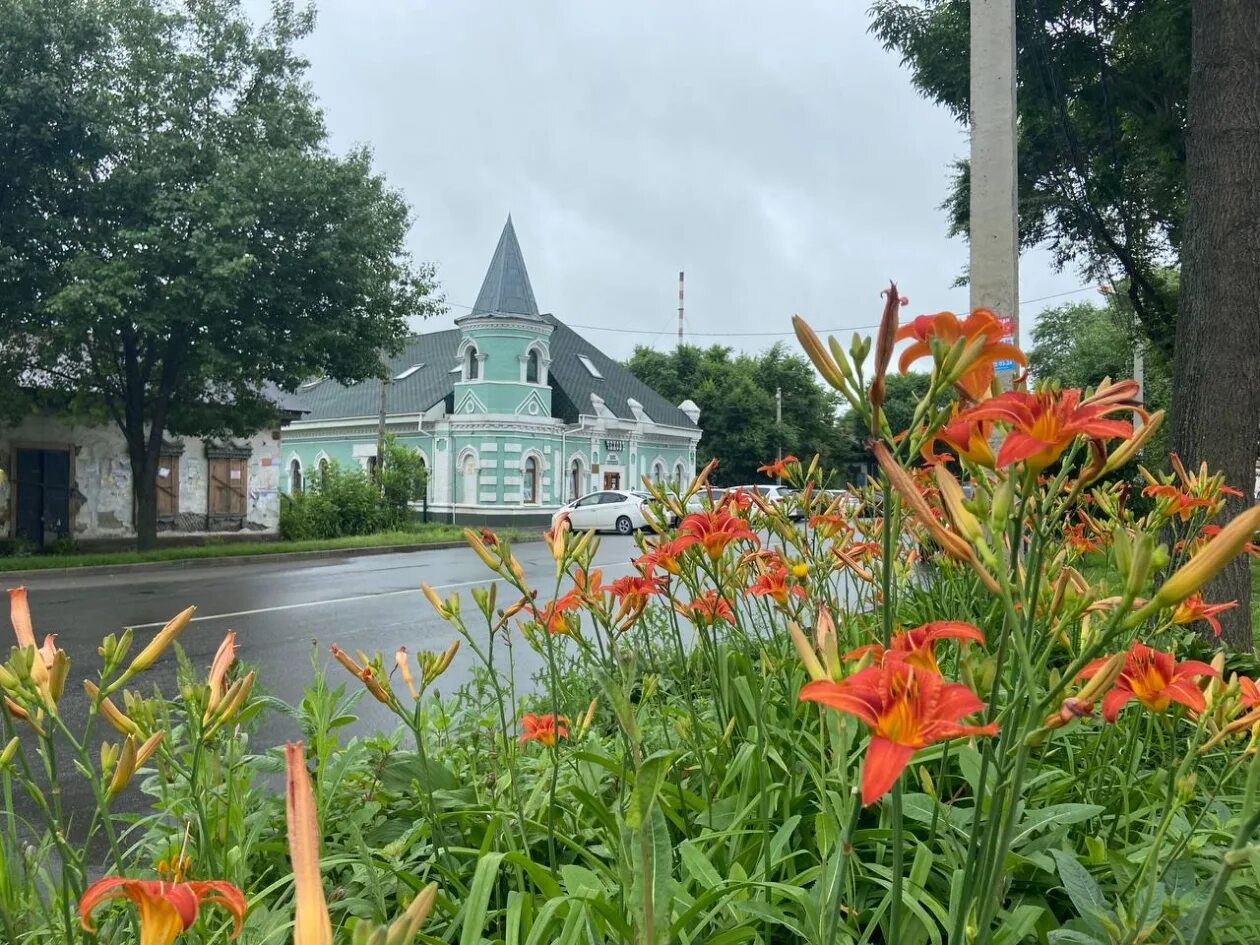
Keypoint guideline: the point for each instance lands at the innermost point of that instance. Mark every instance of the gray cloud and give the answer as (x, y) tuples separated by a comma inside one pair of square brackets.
[(773, 151)]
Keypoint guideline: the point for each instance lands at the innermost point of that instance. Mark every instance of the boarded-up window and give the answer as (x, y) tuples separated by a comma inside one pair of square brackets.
[(227, 487), (168, 486)]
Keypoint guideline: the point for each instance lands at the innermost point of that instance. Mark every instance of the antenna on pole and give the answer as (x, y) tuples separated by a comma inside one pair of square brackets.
[(680, 308)]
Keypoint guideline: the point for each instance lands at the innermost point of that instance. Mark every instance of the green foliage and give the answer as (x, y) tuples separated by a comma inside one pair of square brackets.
[(736, 396), (340, 501), (1102, 129), (181, 237)]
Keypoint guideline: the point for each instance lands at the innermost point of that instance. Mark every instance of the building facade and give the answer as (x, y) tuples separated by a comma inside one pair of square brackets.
[(513, 412), (73, 481)]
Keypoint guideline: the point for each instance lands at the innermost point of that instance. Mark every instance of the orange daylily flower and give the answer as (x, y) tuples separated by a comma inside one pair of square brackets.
[(982, 323), (968, 438), (165, 908), (779, 468), (1045, 423), (1154, 678), (707, 609), (1194, 608), (552, 616), (543, 728), (917, 646), (664, 555), (906, 708), (715, 530), (773, 582), (634, 591)]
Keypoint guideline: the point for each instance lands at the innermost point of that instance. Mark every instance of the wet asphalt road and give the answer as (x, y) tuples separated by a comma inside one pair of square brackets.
[(277, 610)]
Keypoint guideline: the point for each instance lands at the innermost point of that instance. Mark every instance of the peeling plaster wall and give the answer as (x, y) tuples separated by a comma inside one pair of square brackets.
[(101, 503)]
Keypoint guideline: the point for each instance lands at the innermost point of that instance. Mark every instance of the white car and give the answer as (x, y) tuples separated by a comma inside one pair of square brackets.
[(612, 510), (774, 493)]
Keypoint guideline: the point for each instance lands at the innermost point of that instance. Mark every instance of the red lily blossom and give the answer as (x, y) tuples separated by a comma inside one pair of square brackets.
[(588, 585), (968, 438), (1045, 423), (1079, 539), (906, 708), (1155, 679), (917, 646), (1248, 693), (738, 499), (977, 382), (773, 582), (552, 616), (1175, 502), (166, 909), (543, 728), (779, 468), (715, 530), (707, 609), (634, 591), (665, 555), (1194, 608), (829, 524)]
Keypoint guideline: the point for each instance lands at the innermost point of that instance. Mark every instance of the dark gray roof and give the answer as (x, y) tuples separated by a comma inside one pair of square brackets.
[(571, 383), (415, 393), (506, 289), (570, 377)]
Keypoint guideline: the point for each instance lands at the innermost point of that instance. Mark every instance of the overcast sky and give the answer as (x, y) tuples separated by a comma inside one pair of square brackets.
[(772, 150)]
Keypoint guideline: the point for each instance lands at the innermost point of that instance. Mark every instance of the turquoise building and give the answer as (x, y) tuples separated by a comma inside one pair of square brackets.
[(513, 412)]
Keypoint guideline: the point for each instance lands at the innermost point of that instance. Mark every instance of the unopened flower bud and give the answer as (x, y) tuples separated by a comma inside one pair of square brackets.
[(157, 646)]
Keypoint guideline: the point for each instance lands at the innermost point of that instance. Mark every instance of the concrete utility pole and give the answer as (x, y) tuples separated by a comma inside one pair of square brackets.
[(994, 209)]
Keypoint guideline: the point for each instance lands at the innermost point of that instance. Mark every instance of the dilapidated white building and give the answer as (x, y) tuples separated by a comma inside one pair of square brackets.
[(73, 481)]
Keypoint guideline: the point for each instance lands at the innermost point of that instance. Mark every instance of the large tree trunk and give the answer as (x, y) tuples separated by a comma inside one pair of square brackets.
[(1216, 370)]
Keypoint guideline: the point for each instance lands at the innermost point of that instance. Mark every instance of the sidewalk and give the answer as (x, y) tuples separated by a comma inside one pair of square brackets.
[(219, 561)]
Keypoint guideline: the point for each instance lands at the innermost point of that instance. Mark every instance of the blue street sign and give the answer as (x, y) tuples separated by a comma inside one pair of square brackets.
[(1006, 365)]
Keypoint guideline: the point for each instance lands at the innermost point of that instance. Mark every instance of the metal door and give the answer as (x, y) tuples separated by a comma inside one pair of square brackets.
[(42, 481)]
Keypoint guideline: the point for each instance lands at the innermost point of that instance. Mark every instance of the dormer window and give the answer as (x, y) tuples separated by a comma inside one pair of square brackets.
[(472, 364), (590, 367), (533, 367)]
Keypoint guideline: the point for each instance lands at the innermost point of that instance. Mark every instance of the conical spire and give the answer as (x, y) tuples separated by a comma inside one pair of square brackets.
[(506, 289)]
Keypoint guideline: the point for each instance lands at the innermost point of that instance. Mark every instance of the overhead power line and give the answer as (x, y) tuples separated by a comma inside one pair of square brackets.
[(777, 334)]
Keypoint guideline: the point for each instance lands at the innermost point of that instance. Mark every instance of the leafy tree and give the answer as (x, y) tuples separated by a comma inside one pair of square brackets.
[(1102, 100), (177, 234), (736, 396)]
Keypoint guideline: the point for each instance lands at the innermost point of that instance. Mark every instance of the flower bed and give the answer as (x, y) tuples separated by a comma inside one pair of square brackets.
[(770, 733)]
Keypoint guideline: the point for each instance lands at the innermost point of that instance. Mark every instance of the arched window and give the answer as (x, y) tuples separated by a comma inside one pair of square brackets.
[(658, 472), (323, 469), (575, 479), (295, 476), (678, 475), (531, 481), (472, 365), (533, 367)]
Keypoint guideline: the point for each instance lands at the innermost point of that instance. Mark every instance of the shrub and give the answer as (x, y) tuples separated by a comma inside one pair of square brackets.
[(349, 502)]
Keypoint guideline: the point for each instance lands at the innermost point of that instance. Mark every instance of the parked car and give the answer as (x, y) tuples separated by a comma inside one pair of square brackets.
[(775, 493), (610, 510)]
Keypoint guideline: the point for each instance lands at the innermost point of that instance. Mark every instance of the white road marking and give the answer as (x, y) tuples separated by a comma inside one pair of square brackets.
[(318, 603)]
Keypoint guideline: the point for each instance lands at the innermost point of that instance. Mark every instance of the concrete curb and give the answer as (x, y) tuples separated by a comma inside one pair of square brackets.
[(280, 557)]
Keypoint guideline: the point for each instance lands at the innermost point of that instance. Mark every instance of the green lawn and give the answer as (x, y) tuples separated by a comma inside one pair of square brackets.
[(421, 534)]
